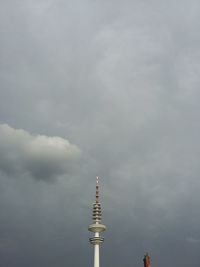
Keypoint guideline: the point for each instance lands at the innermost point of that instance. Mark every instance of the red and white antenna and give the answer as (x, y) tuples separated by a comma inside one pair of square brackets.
[(97, 189)]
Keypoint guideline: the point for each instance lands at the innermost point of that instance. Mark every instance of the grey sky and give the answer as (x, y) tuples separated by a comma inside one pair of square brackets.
[(106, 88)]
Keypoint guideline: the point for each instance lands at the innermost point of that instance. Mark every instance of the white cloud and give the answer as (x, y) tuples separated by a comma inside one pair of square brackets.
[(41, 156)]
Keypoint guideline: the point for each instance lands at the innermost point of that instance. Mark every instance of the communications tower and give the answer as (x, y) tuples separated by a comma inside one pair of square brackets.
[(96, 227)]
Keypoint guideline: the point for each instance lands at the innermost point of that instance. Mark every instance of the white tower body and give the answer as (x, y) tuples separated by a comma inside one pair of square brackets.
[(96, 227)]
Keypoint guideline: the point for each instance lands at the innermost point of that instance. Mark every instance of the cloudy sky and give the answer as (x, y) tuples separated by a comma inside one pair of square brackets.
[(108, 88)]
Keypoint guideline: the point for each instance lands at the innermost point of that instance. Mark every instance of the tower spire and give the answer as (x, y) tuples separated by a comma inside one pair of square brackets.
[(97, 189), (96, 227)]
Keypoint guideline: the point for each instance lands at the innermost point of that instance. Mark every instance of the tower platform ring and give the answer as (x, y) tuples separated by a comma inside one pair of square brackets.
[(96, 240), (96, 228)]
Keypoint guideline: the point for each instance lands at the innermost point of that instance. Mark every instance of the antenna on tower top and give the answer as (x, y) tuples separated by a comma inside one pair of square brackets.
[(97, 189)]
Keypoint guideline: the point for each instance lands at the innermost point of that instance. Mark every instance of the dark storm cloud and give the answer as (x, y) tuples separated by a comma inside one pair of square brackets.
[(121, 81), (42, 157)]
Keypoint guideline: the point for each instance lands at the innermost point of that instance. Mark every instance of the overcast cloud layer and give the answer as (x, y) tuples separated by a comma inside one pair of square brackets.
[(106, 88)]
